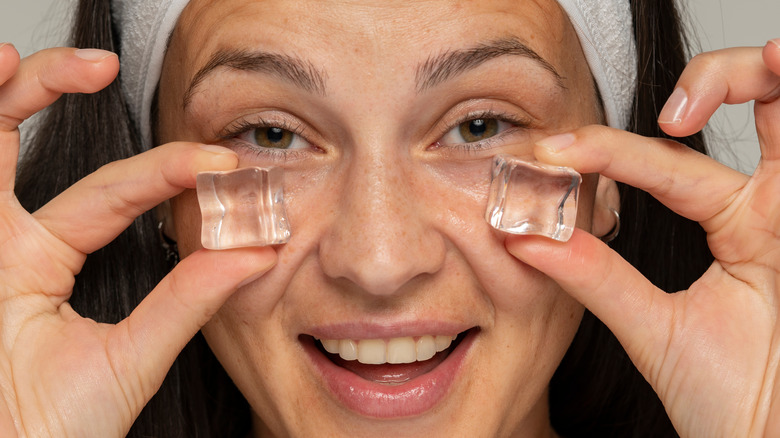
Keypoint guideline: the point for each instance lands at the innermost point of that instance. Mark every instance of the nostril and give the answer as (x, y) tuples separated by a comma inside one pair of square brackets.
[(382, 268)]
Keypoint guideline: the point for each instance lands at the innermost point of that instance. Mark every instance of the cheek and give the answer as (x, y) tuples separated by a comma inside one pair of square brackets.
[(518, 293), (509, 287)]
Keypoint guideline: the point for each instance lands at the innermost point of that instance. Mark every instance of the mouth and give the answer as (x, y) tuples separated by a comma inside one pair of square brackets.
[(403, 358), (393, 377)]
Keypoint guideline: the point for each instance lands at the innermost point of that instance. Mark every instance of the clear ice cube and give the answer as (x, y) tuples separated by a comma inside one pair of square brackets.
[(533, 198), (242, 207)]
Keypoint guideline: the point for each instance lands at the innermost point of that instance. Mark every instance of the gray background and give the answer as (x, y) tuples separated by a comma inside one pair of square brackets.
[(34, 24)]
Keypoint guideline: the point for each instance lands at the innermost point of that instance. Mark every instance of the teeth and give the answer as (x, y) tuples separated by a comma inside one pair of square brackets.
[(443, 342), (394, 351), (372, 351), (426, 348), (331, 345), (401, 350), (348, 349)]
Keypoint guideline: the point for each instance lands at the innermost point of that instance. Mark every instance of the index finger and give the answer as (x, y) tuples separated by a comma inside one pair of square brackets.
[(690, 183), (731, 76), (92, 212)]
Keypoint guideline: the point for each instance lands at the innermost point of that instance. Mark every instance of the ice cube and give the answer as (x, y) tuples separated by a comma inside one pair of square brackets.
[(242, 207), (533, 198)]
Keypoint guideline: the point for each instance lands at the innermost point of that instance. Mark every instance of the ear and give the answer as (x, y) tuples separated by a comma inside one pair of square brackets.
[(607, 199), (165, 216)]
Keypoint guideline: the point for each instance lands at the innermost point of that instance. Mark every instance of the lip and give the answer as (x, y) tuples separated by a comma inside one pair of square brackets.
[(408, 399), (381, 329)]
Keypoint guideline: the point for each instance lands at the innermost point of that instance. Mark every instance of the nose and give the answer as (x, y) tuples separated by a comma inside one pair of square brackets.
[(382, 235)]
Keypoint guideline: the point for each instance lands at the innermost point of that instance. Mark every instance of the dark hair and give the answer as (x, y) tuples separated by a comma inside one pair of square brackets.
[(596, 390)]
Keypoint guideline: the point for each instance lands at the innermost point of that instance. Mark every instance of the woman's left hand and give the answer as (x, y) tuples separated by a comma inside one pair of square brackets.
[(712, 352)]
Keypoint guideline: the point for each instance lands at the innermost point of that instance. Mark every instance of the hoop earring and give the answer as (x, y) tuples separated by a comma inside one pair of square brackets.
[(613, 233), (169, 245)]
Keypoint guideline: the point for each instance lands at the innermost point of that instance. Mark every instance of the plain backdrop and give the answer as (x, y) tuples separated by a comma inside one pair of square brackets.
[(35, 24)]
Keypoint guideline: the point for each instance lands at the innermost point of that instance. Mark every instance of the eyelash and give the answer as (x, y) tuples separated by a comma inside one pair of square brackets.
[(231, 133), (518, 123)]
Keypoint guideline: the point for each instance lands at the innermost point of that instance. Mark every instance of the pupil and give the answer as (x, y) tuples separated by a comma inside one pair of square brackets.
[(275, 135), (477, 127)]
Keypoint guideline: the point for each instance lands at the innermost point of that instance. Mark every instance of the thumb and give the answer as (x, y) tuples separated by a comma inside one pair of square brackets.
[(147, 342), (637, 312)]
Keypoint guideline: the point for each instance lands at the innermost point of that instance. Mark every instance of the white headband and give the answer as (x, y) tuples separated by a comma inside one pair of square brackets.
[(606, 32), (144, 29), (604, 27)]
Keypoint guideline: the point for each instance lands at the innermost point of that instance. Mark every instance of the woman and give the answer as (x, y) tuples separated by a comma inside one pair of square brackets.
[(388, 237)]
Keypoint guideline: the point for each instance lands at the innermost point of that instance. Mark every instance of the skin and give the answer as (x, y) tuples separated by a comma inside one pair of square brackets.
[(710, 352), (387, 227)]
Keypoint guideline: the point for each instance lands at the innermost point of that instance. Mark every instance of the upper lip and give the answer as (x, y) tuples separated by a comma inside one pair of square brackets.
[(387, 330)]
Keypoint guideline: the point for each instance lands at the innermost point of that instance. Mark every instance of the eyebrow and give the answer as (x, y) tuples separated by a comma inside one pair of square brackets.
[(305, 75), (445, 66), (300, 73)]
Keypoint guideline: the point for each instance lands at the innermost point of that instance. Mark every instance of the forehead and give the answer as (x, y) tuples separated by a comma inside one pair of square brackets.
[(387, 31)]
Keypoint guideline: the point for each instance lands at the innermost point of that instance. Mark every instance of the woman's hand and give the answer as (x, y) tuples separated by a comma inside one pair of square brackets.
[(712, 352), (61, 374)]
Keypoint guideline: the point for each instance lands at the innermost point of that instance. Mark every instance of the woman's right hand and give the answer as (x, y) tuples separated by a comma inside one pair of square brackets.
[(62, 374)]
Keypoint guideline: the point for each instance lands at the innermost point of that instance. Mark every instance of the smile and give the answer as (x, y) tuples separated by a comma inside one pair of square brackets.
[(390, 377), (392, 351)]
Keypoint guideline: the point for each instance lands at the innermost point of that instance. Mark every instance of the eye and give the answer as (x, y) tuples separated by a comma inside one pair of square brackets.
[(273, 137), (474, 130), (478, 129), (268, 136)]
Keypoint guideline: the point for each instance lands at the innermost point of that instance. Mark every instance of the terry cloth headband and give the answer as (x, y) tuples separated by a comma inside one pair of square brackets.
[(604, 27)]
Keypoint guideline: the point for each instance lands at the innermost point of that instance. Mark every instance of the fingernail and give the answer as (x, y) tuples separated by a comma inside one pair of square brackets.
[(219, 150), (775, 41), (557, 143), (93, 55), (674, 109), (252, 278)]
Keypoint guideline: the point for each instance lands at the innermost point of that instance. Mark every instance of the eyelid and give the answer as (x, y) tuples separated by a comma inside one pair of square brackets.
[(491, 114), (243, 125), (517, 122), (230, 136)]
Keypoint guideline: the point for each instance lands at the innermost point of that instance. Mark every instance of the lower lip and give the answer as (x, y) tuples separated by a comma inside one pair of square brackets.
[(373, 399)]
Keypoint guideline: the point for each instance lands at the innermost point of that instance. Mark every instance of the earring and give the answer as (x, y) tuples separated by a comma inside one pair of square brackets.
[(613, 233), (169, 245)]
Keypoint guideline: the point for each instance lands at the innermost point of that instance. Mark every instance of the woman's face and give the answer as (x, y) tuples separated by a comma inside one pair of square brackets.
[(384, 116)]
